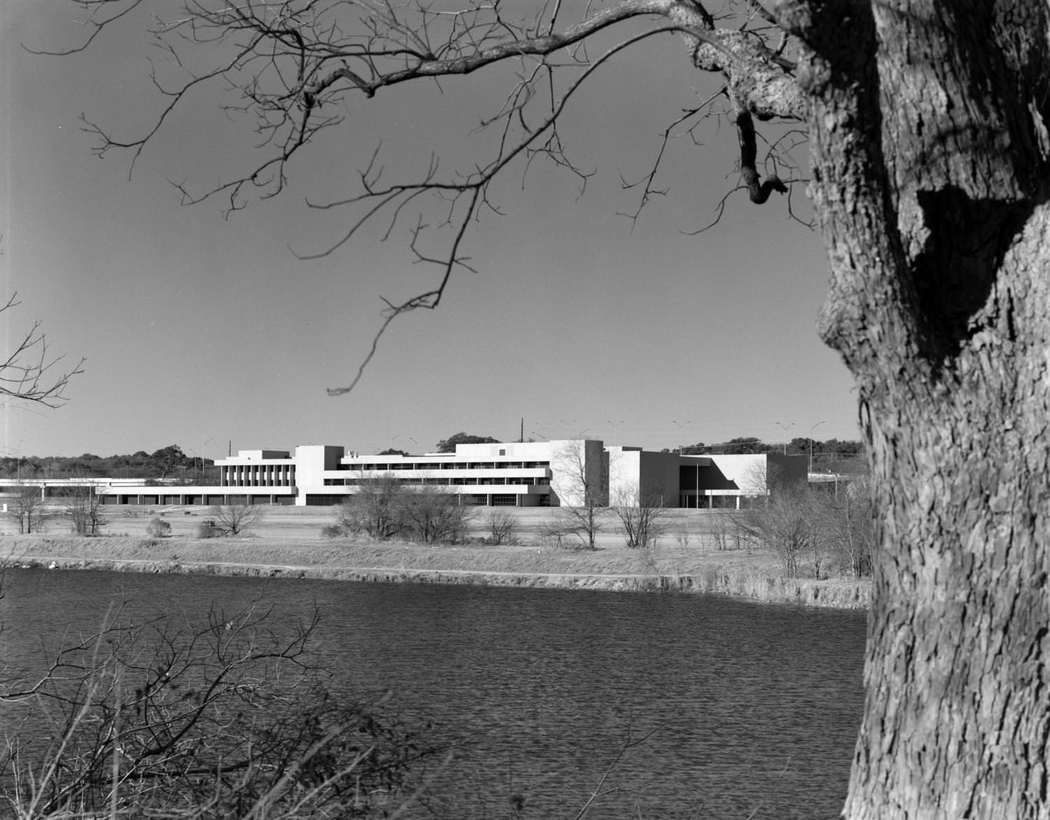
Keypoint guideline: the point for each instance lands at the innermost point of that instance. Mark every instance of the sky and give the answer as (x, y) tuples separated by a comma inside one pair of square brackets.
[(210, 333)]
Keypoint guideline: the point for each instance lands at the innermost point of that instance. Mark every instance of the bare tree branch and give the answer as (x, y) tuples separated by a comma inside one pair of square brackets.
[(293, 68), (29, 371)]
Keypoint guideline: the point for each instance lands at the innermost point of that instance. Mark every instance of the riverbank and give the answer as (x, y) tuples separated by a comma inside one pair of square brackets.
[(677, 567)]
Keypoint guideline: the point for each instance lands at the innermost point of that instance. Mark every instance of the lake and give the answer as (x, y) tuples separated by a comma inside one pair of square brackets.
[(715, 708)]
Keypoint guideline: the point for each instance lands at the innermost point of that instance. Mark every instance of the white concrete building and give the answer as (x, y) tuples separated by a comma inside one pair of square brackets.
[(522, 474)]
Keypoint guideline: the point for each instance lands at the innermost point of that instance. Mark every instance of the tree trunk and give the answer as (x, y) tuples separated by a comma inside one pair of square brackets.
[(930, 179)]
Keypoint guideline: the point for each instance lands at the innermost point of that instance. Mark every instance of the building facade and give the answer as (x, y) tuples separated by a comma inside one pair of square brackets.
[(569, 472)]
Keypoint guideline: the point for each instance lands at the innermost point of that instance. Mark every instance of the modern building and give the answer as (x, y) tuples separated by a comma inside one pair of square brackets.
[(520, 474)]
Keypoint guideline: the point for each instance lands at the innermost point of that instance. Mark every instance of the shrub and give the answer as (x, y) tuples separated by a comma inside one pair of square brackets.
[(85, 511), (641, 519), (332, 531), (207, 529), (553, 535), (373, 510), (502, 527), (234, 519), (158, 528), (384, 508), (221, 719), (432, 517)]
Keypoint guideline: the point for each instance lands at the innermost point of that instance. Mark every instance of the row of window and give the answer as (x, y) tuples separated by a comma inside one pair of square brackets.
[(450, 482), (239, 478), (320, 500), (448, 465)]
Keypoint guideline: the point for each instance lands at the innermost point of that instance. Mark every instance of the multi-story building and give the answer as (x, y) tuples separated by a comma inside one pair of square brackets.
[(568, 472)]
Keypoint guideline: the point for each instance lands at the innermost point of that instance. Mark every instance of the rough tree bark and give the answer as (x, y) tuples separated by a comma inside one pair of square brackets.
[(929, 153)]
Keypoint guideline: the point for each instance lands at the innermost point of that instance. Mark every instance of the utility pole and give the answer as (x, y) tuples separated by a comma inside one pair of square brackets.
[(521, 435)]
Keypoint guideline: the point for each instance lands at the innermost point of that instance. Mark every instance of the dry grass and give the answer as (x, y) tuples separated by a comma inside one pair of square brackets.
[(288, 541)]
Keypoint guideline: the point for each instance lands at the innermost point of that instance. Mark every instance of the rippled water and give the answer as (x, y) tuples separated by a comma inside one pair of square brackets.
[(690, 706)]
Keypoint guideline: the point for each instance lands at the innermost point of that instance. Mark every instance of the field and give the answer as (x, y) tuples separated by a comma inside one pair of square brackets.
[(287, 541)]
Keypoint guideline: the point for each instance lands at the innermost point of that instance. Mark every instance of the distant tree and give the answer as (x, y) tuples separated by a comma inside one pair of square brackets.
[(28, 510), (501, 526), (391, 451), (384, 508), (84, 510), (785, 524), (854, 526), (374, 509), (448, 445), (160, 464), (584, 519), (742, 445), (430, 516), (642, 518), (168, 459), (813, 530), (235, 519)]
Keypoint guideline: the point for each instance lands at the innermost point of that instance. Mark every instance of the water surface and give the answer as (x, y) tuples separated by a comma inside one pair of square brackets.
[(690, 706)]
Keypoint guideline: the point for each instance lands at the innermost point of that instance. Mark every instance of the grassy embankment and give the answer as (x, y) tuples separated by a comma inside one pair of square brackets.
[(286, 542)]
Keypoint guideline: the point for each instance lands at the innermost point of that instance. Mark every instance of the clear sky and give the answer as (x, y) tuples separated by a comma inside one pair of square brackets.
[(201, 331)]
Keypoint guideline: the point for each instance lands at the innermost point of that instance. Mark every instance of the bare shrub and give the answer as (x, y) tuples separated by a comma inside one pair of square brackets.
[(332, 531), (158, 528), (642, 518), (385, 508), (29, 511), (584, 519), (207, 529), (553, 535), (430, 516), (853, 525), (810, 530), (225, 719), (502, 527), (374, 509), (84, 511), (235, 519), (723, 531), (781, 525)]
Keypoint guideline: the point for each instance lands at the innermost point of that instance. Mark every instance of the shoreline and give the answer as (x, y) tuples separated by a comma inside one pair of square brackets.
[(749, 578)]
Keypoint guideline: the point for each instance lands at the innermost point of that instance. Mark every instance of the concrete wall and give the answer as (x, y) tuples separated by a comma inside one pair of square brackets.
[(311, 461), (509, 450), (746, 472), (660, 478), (625, 474), (639, 475), (578, 469)]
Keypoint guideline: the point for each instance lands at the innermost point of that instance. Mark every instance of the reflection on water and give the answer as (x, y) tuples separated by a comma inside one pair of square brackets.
[(688, 706)]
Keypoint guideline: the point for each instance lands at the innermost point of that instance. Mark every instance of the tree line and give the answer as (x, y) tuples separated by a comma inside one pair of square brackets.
[(828, 451), (167, 462)]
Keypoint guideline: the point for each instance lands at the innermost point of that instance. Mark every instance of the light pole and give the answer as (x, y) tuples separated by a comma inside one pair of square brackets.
[(809, 438), (785, 427)]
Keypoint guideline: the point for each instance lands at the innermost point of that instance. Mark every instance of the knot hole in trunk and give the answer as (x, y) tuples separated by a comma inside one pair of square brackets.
[(959, 265)]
